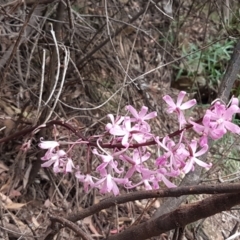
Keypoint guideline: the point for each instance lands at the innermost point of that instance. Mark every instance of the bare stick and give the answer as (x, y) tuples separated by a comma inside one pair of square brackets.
[(66, 61), (58, 65), (70, 225)]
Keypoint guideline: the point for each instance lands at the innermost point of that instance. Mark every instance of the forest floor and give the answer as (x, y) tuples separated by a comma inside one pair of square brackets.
[(121, 53)]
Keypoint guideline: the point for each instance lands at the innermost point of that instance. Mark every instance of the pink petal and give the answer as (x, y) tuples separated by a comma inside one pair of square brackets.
[(48, 144), (202, 164), (189, 165), (111, 118), (150, 115), (130, 172), (56, 167), (206, 120), (121, 180), (99, 182), (202, 151), (109, 183), (193, 146), (145, 157), (180, 98), (127, 124), (169, 101), (234, 101), (197, 127), (147, 185), (133, 111), (217, 133), (69, 165), (231, 111), (232, 127), (181, 119), (188, 104), (115, 189), (48, 163), (143, 112), (106, 158), (88, 182), (125, 140), (168, 183), (79, 176), (117, 131), (115, 123), (61, 153), (203, 140)]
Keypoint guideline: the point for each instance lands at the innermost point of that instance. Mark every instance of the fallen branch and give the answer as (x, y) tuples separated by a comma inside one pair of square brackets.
[(180, 217), (169, 192)]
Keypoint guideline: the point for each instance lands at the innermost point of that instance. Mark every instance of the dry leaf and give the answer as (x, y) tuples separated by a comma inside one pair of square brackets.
[(3, 167), (88, 222), (15, 206), (35, 222), (5, 188), (14, 193), (48, 204), (10, 125), (9, 204), (26, 175), (5, 200)]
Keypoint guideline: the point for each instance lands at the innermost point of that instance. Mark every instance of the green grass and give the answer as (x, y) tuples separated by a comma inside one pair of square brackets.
[(210, 63)]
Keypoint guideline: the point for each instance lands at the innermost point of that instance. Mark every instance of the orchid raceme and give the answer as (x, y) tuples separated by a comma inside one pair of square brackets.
[(123, 156)]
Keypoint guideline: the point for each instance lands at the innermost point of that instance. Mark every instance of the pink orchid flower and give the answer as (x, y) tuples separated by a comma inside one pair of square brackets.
[(115, 128), (176, 154), (221, 117), (123, 130), (206, 130), (179, 107), (108, 161), (136, 162), (109, 184), (147, 177), (59, 160), (193, 158), (50, 145), (87, 180), (160, 176), (142, 116)]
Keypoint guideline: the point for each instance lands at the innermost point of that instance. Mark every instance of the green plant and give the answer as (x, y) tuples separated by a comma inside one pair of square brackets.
[(209, 63)]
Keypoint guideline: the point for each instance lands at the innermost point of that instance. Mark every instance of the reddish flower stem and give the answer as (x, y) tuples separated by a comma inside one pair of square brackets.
[(91, 143)]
